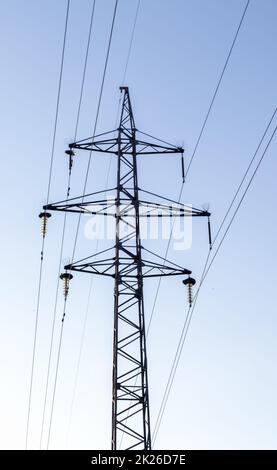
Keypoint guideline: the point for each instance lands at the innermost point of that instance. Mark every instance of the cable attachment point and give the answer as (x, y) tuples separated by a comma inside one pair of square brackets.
[(210, 233), (183, 167), (44, 216), (71, 154), (189, 282), (66, 277)]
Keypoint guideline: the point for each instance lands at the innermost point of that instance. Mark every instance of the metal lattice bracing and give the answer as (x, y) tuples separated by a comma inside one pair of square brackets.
[(128, 263), (130, 407)]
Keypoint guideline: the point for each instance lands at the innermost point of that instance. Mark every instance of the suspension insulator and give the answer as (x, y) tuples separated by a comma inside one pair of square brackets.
[(183, 167), (66, 277), (71, 154), (190, 282), (210, 233), (44, 216)]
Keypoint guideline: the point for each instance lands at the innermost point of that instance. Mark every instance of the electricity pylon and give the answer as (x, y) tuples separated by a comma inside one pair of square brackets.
[(128, 263)]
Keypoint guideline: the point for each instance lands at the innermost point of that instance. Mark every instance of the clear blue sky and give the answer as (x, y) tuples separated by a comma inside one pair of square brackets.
[(224, 395)]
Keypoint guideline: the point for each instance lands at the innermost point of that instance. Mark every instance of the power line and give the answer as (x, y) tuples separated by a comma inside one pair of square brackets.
[(84, 328), (79, 218), (85, 69), (96, 122), (205, 271), (43, 240), (217, 86), (131, 42), (79, 362), (96, 249), (196, 147), (58, 104), (64, 225), (244, 177), (240, 202), (56, 372), (191, 310)]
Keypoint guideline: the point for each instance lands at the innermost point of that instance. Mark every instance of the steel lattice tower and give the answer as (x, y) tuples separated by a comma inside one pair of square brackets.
[(128, 263)]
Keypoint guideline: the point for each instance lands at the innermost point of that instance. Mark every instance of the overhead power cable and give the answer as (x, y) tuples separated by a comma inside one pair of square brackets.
[(207, 268), (217, 87), (95, 125), (56, 371), (239, 204), (244, 177), (160, 414), (76, 378), (43, 240), (64, 225), (197, 145), (79, 218), (131, 43)]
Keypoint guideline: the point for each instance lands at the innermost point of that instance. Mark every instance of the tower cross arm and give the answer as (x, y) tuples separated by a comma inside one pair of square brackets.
[(127, 141), (148, 148)]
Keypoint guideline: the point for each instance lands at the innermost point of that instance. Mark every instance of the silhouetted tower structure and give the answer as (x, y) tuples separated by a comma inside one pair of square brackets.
[(128, 263)]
